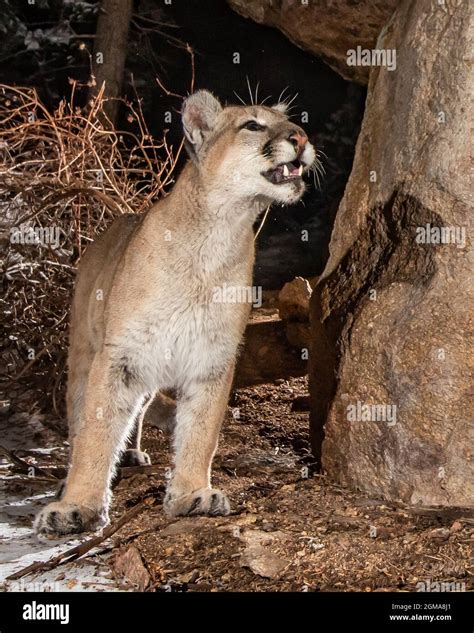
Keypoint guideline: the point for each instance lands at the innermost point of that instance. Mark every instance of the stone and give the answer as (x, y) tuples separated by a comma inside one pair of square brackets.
[(258, 555), (129, 565), (293, 299), (327, 29), (266, 355), (298, 334), (391, 362), (263, 562)]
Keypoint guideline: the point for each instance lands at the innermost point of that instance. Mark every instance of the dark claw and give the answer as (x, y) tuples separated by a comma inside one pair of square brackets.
[(214, 509), (195, 507)]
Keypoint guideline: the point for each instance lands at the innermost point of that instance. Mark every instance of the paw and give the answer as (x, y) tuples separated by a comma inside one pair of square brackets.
[(203, 501), (59, 518), (133, 457)]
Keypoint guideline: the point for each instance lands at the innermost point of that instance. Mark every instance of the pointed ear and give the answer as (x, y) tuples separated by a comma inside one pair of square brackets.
[(280, 107), (199, 115)]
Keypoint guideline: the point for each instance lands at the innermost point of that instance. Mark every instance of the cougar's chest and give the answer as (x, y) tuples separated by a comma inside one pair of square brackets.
[(185, 339)]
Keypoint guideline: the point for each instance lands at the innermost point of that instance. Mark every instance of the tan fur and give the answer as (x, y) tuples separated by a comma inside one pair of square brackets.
[(144, 319)]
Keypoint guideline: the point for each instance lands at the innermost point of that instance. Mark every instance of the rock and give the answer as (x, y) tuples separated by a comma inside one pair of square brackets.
[(293, 308), (293, 299), (298, 334), (263, 562), (129, 565), (258, 555), (182, 526), (391, 313), (327, 29), (267, 356), (439, 534)]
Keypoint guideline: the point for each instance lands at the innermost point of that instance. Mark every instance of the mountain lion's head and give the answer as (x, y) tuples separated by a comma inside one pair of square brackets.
[(252, 151)]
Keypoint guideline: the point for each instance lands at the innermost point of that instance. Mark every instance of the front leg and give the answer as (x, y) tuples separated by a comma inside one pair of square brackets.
[(110, 407), (200, 412)]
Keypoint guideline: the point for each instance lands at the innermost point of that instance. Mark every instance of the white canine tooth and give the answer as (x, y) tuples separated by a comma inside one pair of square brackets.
[(285, 171), (300, 170)]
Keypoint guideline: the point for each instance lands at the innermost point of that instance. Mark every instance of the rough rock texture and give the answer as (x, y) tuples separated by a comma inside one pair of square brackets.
[(267, 354), (129, 565), (259, 555), (293, 299), (328, 28), (391, 316)]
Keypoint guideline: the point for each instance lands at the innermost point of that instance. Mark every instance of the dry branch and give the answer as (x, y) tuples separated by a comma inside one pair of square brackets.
[(25, 467), (79, 550)]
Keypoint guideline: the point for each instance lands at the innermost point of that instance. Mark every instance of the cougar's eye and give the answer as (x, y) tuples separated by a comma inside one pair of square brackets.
[(253, 126)]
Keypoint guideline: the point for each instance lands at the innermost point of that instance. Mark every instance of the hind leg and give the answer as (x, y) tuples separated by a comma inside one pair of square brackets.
[(134, 456), (159, 411)]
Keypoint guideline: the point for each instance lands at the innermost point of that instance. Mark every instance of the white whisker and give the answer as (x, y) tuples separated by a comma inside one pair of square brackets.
[(320, 167), (317, 164), (239, 98), (262, 222), (318, 170), (291, 100), (282, 93), (250, 90), (316, 175), (315, 179)]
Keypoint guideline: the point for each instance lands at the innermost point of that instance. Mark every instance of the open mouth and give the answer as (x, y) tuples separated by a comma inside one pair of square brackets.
[(285, 172)]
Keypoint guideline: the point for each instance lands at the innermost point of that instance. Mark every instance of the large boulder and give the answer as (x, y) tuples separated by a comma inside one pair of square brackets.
[(327, 29), (390, 366)]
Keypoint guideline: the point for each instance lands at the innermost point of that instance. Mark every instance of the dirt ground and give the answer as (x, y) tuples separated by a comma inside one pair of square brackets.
[(291, 529)]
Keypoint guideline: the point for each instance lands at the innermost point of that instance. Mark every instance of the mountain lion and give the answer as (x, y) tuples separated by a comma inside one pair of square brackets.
[(145, 316)]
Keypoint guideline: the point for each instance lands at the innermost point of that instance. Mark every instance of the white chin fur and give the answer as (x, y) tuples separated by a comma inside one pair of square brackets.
[(286, 193)]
